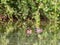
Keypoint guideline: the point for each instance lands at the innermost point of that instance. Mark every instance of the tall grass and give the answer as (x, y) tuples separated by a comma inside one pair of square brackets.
[(17, 15)]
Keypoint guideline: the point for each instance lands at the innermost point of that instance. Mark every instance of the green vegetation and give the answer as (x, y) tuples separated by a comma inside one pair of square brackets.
[(29, 22)]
